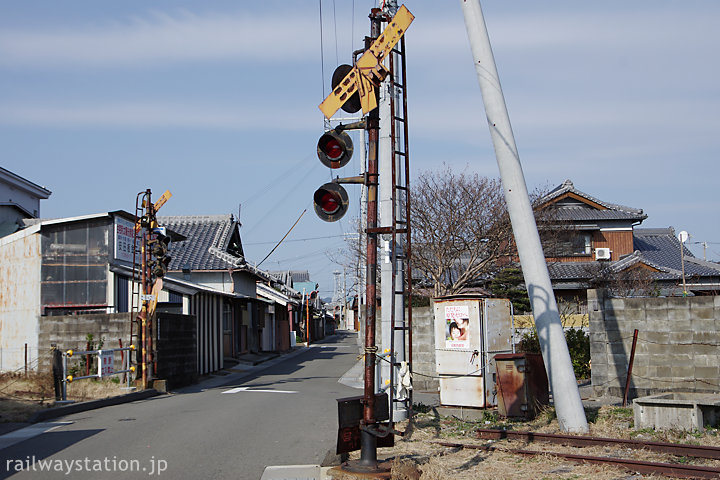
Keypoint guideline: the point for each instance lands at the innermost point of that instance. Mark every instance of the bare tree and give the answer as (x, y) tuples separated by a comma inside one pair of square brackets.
[(351, 258), (635, 281), (460, 229)]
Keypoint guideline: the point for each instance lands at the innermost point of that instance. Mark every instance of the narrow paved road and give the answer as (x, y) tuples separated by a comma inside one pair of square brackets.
[(284, 414)]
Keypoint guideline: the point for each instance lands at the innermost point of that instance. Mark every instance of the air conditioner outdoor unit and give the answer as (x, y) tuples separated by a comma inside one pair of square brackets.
[(602, 254)]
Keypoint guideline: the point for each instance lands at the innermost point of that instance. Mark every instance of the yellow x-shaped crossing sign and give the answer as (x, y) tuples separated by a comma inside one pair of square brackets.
[(368, 71)]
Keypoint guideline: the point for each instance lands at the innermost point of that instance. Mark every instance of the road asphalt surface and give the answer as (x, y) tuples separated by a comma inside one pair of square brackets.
[(230, 427)]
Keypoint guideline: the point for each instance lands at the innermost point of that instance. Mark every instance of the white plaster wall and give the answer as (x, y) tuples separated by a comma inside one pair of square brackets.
[(20, 261)]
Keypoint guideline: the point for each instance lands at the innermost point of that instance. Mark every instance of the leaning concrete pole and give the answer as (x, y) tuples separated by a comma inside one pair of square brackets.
[(566, 395)]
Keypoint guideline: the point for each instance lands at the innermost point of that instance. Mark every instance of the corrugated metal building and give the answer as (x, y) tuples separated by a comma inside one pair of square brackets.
[(79, 265)]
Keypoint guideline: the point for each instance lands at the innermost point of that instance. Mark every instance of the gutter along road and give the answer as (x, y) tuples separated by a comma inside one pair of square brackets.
[(228, 427)]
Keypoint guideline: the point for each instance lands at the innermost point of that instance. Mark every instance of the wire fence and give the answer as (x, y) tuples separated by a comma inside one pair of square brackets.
[(31, 366), (19, 359)]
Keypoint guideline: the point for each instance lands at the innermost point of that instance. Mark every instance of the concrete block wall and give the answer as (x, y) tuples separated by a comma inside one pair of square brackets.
[(678, 347), (424, 350), (70, 332)]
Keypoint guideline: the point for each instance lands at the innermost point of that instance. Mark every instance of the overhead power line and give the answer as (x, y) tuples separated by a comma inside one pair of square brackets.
[(298, 240), (281, 240)]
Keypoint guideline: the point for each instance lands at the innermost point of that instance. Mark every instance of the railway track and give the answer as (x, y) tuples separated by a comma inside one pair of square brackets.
[(698, 451), (640, 466)]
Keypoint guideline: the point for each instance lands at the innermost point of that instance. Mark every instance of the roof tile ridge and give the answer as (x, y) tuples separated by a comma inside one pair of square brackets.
[(222, 235), (568, 187), (196, 218), (638, 257), (652, 230), (227, 257), (703, 263)]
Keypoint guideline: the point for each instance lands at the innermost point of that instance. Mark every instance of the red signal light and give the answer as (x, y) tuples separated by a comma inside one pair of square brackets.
[(331, 202), (334, 149)]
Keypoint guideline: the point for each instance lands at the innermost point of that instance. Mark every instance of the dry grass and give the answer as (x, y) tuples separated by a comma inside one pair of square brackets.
[(89, 389), (21, 396), (419, 457)]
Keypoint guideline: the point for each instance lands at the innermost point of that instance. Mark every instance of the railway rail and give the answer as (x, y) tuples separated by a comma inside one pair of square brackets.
[(698, 451), (640, 466)]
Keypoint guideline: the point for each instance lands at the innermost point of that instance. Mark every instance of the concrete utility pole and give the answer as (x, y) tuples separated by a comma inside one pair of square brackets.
[(386, 157), (566, 396)]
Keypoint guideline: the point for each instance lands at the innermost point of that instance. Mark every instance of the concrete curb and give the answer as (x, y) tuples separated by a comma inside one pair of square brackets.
[(55, 412), (236, 376), (249, 371)]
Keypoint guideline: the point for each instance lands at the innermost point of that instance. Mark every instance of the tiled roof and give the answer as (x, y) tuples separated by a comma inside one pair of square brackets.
[(592, 214), (579, 273), (657, 248), (570, 270), (586, 213), (207, 242), (661, 246), (294, 275)]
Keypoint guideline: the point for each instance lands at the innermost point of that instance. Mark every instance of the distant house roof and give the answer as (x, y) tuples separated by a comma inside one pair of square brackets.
[(657, 248), (294, 275), (573, 205), (34, 225), (6, 176), (213, 243), (661, 246)]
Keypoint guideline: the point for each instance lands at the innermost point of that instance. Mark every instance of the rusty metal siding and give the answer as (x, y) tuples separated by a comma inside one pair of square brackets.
[(20, 260)]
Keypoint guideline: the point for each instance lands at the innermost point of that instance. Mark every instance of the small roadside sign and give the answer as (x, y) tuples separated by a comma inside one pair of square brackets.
[(105, 363)]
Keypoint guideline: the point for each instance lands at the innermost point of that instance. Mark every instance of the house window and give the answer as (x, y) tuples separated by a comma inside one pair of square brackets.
[(74, 266), (584, 245), (565, 244)]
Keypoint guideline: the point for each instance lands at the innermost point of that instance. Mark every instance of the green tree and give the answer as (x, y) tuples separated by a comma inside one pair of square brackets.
[(507, 284)]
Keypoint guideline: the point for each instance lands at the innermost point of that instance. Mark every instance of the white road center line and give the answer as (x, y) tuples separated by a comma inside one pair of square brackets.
[(247, 389)]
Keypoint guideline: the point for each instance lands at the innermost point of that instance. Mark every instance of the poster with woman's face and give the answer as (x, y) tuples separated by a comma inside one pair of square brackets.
[(457, 326)]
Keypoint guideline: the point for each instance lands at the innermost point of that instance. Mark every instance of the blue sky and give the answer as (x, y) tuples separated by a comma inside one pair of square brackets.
[(217, 102)]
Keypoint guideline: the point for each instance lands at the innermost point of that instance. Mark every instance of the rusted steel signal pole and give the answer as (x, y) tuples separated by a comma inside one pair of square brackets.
[(144, 280), (364, 79), (368, 441)]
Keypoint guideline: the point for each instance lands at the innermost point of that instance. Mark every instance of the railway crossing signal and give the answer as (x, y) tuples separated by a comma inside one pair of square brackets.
[(331, 202), (335, 149), (159, 250), (368, 71)]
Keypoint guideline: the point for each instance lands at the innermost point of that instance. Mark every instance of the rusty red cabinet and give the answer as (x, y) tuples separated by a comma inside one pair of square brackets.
[(522, 384)]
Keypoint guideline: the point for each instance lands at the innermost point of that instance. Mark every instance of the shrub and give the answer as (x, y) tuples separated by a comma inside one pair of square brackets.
[(578, 343)]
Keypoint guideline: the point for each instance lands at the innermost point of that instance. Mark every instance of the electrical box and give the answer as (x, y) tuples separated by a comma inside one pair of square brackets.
[(469, 332), (522, 384)]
